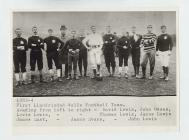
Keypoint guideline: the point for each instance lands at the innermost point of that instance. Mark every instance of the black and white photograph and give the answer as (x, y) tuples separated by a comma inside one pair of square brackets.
[(100, 53)]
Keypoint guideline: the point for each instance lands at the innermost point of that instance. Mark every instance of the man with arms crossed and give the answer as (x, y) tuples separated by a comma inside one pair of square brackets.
[(93, 43), (62, 51), (73, 46), (19, 57), (51, 44), (123, 45), (135, 40), (83, 62), (36, 45), (164, 48), (109, 50), (148, 46)]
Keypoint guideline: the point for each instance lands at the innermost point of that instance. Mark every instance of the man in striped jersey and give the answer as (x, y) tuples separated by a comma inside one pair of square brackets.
[(148, 44)]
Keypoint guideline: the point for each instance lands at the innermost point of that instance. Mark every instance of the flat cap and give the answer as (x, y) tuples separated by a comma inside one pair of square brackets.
[(63, 27)]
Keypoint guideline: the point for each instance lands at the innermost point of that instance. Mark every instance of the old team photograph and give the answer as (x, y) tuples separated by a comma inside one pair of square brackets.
[(127, 53)]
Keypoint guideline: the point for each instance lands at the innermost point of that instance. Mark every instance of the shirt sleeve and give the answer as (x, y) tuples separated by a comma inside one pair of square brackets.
[(79, 45), (29, 43), (25, 44), (14, 45), (101, 40), (158, 43), (41, 44), (85, 40), (119, 43), (142, 40), (153, 39), (66, 46), (171, 43)]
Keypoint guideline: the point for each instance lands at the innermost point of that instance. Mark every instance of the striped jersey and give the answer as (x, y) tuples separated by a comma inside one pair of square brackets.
[(149, 41)]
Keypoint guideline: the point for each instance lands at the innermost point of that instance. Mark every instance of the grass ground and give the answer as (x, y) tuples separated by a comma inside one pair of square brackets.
[(109, 86)]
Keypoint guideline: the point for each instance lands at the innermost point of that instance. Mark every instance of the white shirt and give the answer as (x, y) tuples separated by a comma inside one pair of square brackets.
[(93, 39)]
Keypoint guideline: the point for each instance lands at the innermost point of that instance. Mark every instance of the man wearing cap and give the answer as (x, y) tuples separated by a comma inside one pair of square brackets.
[(73, 46), (83, 62), (123, 45), (63, 52), (109, 50), (52, 44), (94, 42), (19, 57), (148, 46), (135, 40), (164, 48), (36, 45)]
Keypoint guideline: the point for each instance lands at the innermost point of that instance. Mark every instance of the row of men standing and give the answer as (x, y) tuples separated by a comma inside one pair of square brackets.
[(68, 52), (56, 50)]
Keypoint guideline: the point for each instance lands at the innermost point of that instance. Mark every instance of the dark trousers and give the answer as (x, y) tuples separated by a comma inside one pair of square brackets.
[(136, 59), (83, 61), (72, 61), (36, 57), (110, 59), (53, 56), (123, 56), (19, 62)]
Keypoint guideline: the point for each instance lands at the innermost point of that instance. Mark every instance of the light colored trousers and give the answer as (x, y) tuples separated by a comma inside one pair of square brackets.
[(164, 58), (95, 57)]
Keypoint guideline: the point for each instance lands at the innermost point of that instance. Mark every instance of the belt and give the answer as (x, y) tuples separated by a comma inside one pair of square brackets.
[(95, 46)]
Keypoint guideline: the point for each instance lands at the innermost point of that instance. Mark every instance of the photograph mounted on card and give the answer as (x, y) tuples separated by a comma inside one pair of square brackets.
[(95, 68)]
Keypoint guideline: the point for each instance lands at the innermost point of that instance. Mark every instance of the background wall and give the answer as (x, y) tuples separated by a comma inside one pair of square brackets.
[(120, 21)]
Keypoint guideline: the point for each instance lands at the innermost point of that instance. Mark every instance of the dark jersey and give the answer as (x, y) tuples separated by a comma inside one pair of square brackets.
[(35, 43), (52, 43), (109, 43), (135, 41), (19, 45), (164, 43), (123, 41), (83, 48), (73, 44)]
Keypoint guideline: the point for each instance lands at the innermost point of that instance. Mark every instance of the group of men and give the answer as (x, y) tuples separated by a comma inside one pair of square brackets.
[(75, 51)]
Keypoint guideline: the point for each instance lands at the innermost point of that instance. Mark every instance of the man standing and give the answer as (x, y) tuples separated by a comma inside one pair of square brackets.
[(148, 44), (82, 58), (63, 52), (135, 40), (73, 46), (35, 44), (164, 48), (19, 56), (123, 46), (52, 44), (109, 50), (93, 43)]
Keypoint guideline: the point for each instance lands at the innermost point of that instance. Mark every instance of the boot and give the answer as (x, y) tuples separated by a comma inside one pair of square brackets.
[(94, 72), (59, 75), (41, 78), (108, 68), (143, 73), (164, 75), (76, 77), (113, 71), (32, 78), (167, 72), (120, 70), (69, 77)]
